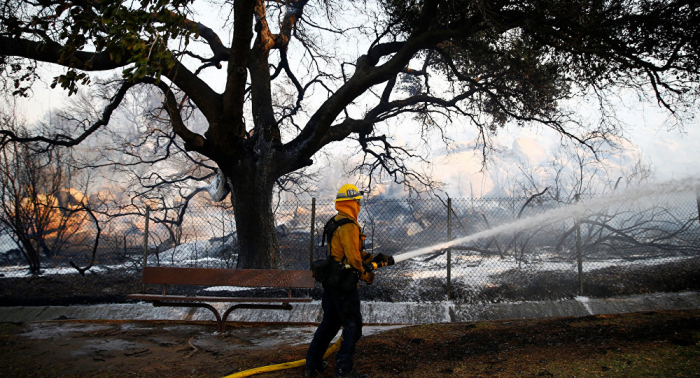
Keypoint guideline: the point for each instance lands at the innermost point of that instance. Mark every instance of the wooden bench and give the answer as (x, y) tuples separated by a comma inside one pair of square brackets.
[(254, 278)]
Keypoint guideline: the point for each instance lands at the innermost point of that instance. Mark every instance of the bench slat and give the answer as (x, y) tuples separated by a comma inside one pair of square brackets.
[(183, 298), (228, 277)]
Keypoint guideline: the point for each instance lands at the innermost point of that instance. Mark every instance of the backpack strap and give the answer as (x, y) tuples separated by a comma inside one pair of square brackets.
[(331, 226)]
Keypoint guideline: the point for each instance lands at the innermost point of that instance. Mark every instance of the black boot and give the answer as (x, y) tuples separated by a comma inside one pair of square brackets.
[(316, 372)]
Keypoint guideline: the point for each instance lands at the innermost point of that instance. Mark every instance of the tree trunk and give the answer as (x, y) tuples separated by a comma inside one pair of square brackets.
[(251, 196), (30, 254)]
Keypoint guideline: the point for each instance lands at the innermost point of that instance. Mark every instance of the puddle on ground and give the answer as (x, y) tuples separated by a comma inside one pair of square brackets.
[(61, 330), (104, 347)]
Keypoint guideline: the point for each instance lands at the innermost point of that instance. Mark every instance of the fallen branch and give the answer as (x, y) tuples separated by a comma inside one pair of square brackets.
[(195, 349)]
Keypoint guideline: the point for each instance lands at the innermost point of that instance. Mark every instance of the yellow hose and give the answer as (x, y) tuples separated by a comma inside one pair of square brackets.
[(286, 365)]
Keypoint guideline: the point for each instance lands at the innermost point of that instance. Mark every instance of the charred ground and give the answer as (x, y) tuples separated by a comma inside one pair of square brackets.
[(660, 344)]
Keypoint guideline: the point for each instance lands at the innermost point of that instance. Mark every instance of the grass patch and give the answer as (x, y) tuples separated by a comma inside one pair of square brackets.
[(666, 360)]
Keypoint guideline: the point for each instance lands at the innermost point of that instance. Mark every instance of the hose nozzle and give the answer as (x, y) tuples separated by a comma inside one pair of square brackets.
[(384, 262)]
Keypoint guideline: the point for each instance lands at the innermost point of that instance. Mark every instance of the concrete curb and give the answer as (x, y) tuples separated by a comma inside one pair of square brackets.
[(372, 312)]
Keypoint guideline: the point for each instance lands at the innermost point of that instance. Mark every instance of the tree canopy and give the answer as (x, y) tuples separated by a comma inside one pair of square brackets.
[(297, 75)]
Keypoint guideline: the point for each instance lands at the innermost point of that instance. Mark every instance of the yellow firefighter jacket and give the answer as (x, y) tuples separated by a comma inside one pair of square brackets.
[(349, 242)]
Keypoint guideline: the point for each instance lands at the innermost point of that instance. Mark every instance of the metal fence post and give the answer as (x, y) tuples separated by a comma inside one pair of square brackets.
[(697, 200), (313, 228), (579, 251), (145, 245), (449, 250)]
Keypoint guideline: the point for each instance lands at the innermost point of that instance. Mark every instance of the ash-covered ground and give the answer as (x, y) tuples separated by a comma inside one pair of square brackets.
[(411, 281)]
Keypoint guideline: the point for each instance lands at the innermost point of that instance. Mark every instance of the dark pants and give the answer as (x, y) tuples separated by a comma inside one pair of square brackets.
[(340, 308)]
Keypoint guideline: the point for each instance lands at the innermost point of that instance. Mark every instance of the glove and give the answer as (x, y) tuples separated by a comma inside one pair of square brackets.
[(368, 259), (368, 268), (369, 278)]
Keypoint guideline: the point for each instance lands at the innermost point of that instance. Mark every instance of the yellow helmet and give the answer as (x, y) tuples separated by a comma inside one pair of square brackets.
[(349, 192)]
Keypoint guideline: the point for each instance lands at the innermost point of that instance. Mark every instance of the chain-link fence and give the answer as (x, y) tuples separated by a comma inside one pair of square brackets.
[(540, 249)]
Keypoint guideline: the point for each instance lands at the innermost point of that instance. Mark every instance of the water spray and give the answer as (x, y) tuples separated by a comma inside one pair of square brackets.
[(574, 210)]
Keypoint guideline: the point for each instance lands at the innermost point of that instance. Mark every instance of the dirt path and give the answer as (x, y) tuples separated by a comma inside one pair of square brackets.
[(661, 344)]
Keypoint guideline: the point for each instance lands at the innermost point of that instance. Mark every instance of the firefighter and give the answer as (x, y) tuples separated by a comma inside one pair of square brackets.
[(340, 301)]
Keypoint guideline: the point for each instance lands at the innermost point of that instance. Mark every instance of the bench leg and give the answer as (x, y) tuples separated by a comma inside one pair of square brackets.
[(219, 323), (284, 306)]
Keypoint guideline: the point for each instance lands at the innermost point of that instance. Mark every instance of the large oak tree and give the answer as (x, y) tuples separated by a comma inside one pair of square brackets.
[(285, 89)]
